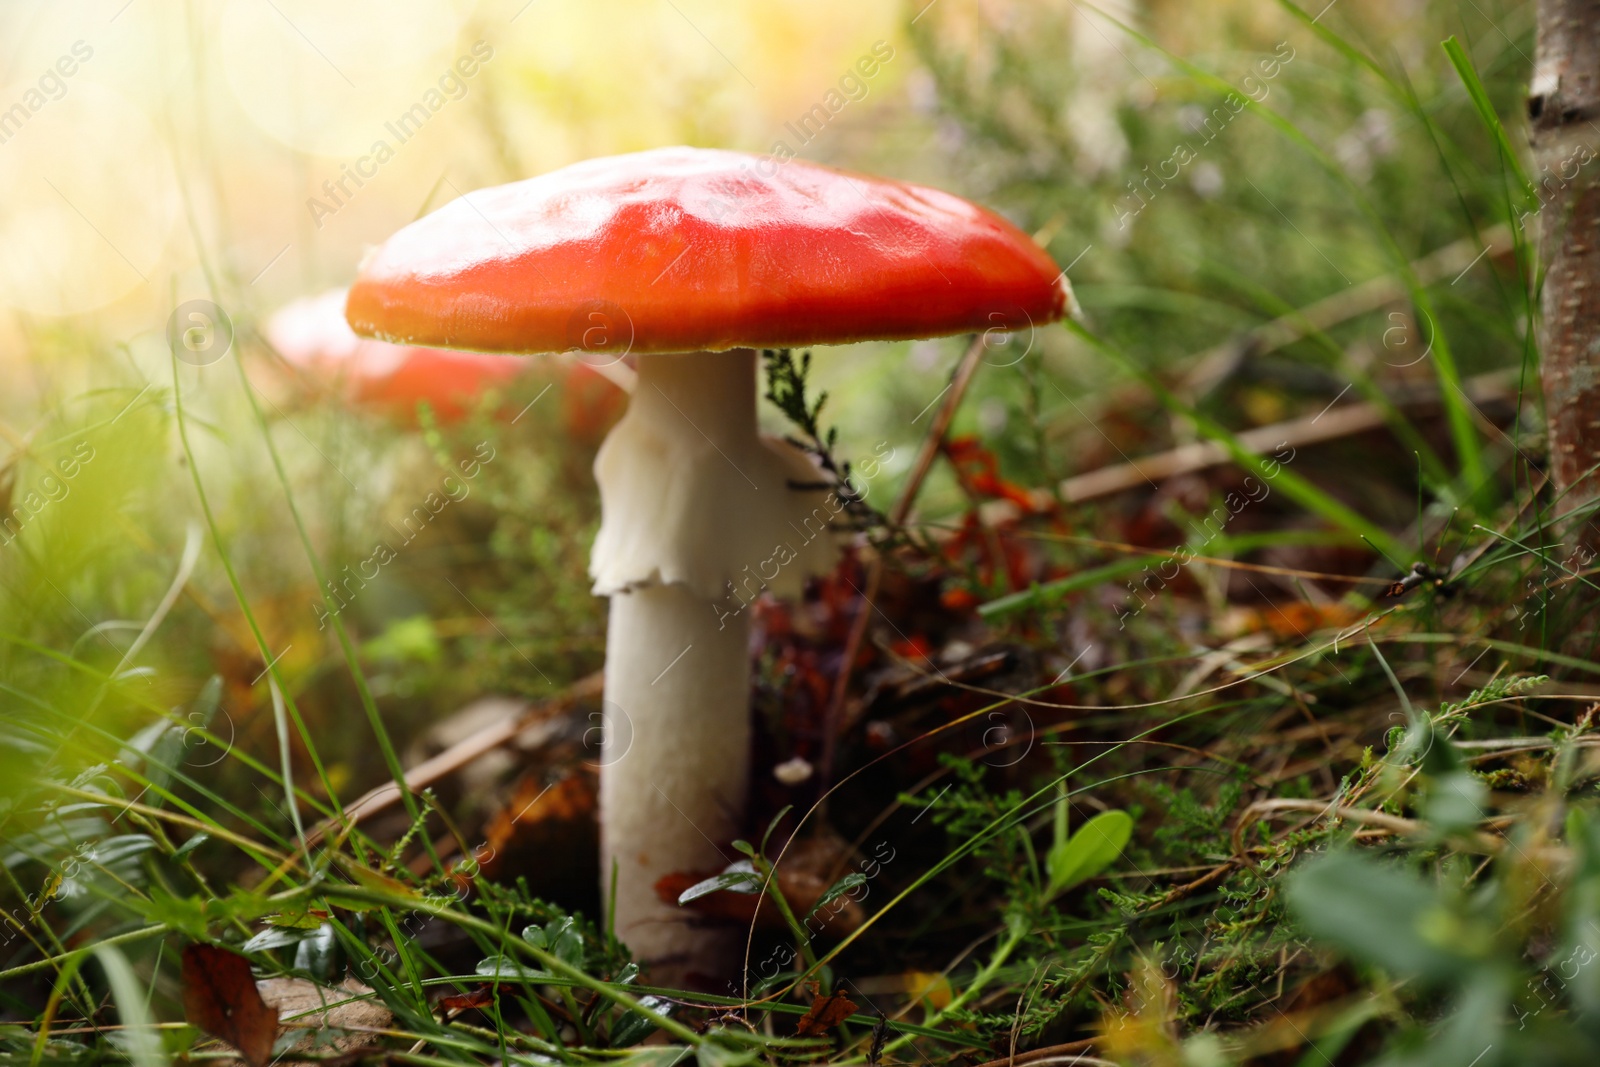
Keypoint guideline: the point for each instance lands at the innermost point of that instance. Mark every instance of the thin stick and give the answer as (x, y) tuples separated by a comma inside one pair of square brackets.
[(1346, 421), (1484, 843), (382, 797), (1071, 1052), (936, 430)]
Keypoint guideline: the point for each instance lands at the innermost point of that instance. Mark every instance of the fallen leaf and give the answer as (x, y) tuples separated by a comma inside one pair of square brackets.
[(481, 997), (930, 986), (220, 997), (1288, 620), (825, 1013), (544, 819), (350, 1010)]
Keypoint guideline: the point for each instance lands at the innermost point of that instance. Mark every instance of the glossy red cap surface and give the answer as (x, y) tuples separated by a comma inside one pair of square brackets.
[(682, 249)]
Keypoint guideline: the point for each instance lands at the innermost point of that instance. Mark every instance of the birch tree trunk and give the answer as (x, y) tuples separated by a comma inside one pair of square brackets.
[(1564, 112)]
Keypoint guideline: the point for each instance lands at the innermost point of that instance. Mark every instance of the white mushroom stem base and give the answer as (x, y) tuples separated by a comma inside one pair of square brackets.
[(671, 803), (699, 515)]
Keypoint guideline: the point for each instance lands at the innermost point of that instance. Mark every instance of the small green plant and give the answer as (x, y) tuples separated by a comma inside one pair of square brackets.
[(1096, 845), (786, 389)]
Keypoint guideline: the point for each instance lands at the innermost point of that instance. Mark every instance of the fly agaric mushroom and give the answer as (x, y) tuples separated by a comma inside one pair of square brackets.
[(312, 335), (690, 260)]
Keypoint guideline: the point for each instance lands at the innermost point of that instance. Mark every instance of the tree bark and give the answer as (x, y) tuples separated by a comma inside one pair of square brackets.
[(1564, 113)]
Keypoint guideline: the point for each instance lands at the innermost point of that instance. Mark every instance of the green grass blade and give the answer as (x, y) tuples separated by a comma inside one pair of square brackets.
[(143, 1041), (1485, 108)]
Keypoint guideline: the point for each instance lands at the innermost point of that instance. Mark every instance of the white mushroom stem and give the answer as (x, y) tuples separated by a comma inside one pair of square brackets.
[(671, 801), (612, 368), (698, 517)]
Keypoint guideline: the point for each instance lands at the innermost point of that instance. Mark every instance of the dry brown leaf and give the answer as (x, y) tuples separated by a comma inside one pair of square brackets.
[(825, 1013), (1289, 620), (544, 819), (220, 997), (480, 997)]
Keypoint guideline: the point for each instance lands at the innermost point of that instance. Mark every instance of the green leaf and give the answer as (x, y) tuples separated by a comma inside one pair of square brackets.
[(1455, 802), (1583, 837), (1095, 846), (634, 1027), (1475, 1026), (142, 1041), (711, 1054), (1486, 113), (837, 890), (1440, 757), (194, 842), (740, 877), (318, 954), (565, 941), (501, 967), (1382, 915), (656, 1056), (274, 937), (119, 855), (370, 879), (773, 825), (188, 915)]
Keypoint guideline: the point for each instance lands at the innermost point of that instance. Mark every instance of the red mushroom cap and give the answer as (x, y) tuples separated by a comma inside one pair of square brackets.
[(312, 334), (683, 249)]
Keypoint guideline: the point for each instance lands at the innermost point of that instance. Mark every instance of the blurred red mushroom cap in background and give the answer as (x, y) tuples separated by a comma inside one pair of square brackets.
[(313, 337)]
